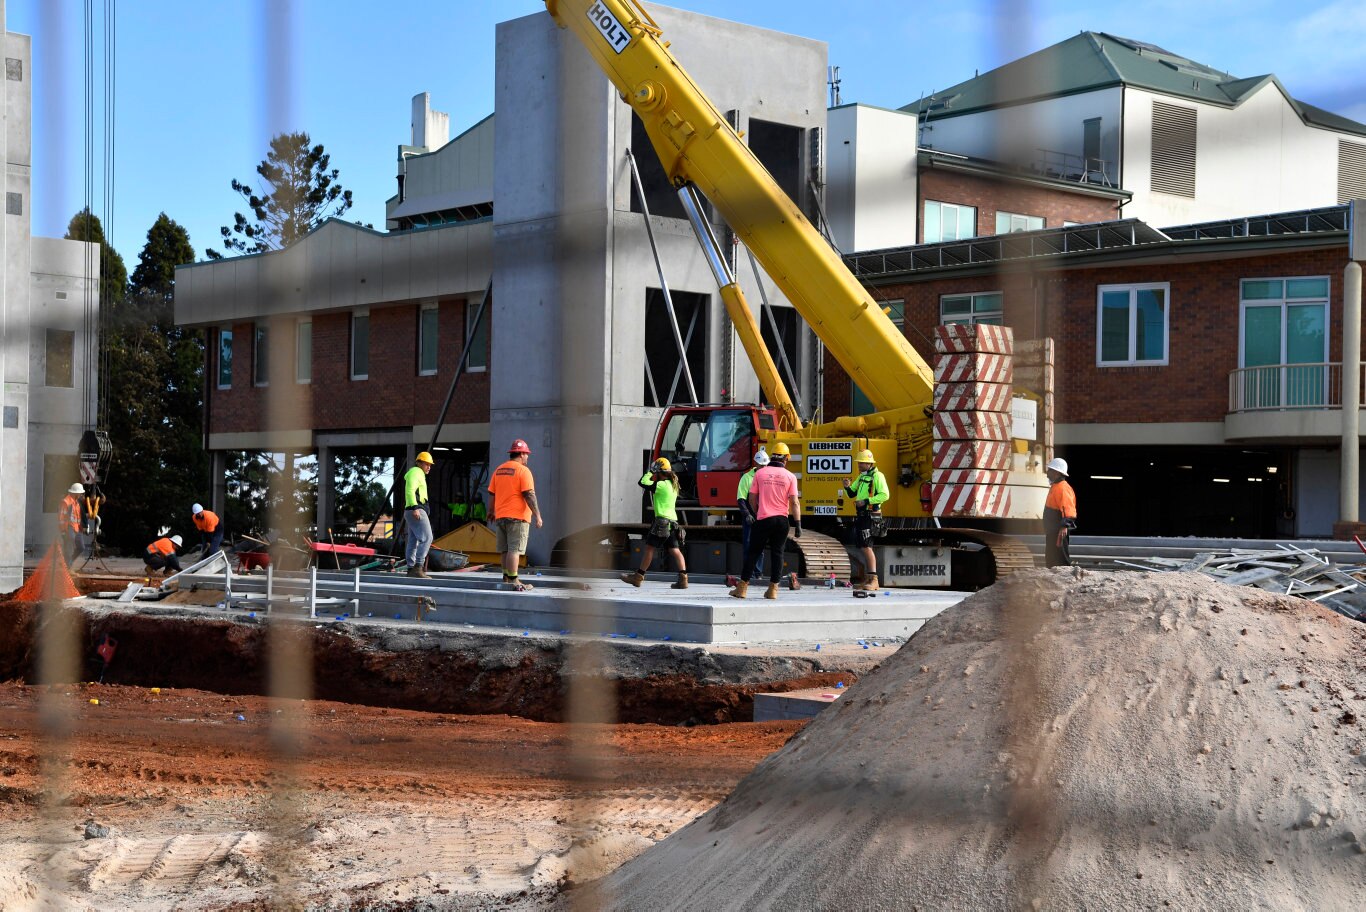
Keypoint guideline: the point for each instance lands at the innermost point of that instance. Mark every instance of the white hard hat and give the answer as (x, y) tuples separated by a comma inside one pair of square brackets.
[(1057, 464), (761, 457), (176, 540), (197, 509), (76, 488)]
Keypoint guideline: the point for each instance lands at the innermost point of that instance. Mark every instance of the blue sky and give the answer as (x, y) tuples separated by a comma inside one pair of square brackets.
[(192, 110)]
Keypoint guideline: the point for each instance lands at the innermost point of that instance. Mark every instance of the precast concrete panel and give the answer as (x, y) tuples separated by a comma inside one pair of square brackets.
[(425, 266), (343, 283), (243, 291), (396, 277)]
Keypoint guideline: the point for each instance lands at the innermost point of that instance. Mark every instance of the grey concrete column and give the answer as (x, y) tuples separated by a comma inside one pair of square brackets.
[(326, 481), (218, 481), (1351, 393)]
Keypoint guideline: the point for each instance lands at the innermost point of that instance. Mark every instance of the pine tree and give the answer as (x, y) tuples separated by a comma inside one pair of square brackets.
[(297, 193)]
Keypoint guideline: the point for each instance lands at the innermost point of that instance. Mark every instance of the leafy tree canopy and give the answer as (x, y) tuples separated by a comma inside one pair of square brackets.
[(85, 226), (296, 193), (154, 383)]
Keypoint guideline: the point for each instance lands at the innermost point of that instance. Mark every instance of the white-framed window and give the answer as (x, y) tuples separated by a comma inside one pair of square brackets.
[(478, 359), (426, 339), (260, 355), (981, 307), (1132, 323), (1284, 331), (303, 351), (225, 359), (949, 221), (360, 345), (1010, 222)]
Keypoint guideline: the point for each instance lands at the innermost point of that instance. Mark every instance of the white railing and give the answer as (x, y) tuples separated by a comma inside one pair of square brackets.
[(1286, 386)]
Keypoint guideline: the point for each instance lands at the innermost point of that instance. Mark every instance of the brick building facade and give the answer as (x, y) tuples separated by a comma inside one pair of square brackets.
[(1182, 439)]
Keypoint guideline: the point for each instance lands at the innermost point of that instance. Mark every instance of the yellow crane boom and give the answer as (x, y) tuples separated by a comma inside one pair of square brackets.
[(696, 145)]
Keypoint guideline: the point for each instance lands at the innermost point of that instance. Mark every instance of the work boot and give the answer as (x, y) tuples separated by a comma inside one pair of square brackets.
[(635, 578), (741, 590), (792, 582), (418, 572), (871, 585), (772, 592), (682, 582)]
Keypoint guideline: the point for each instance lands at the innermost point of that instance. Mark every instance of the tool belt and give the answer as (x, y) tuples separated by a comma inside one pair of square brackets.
[(663, 527)]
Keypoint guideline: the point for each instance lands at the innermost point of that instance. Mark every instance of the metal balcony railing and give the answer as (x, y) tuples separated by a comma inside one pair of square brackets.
[(1286, 386)]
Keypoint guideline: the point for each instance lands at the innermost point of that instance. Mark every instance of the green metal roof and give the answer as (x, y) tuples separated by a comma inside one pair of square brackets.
[(1095, 60)]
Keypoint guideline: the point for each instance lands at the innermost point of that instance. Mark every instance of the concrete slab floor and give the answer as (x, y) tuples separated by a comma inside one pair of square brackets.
[(603, 605)]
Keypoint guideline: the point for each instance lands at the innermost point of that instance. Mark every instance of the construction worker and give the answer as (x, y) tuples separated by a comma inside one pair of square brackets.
[(69, 521), (514, 506), (210, 529), (161, 555), (746, 513), (415, 514), (773, 497), (869, 492), (665, 532), (1059, 515)]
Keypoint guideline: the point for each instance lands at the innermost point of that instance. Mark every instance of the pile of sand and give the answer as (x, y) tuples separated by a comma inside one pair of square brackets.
[(1064, 740)]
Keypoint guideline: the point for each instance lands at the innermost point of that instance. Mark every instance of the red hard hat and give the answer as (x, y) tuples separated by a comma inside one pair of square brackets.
[(518, 447)]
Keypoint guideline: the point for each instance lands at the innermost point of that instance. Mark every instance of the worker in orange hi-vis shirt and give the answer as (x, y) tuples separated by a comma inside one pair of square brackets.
[(210, 529), (514, 508), (161, 555), (1059, 516), (69, 521)]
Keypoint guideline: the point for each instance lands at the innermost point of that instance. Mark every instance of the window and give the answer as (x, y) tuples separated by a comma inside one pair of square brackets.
[(426, 340), (225, 359), (971, 308), (726, 442), (478, 359), (1010, 222), (1131, 324), (859, 403), (949, 222), (61, 352), (260, 356), (303, 351), (1284, 342), (360, 345), (665, 383)]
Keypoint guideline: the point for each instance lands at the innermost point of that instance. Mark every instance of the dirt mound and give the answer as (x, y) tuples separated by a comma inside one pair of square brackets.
[(1065, 740)]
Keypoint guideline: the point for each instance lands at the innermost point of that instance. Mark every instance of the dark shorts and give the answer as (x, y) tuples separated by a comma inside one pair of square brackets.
[(868, 527), (665, 533)]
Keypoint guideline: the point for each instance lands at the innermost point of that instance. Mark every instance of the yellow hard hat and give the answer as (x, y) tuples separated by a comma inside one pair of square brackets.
[(426, 457), (865, 456), (779, 449), (662, 465)]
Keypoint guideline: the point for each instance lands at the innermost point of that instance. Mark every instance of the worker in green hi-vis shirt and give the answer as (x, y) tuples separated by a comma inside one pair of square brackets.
[(415, 514), (665, 532), (869, 492)]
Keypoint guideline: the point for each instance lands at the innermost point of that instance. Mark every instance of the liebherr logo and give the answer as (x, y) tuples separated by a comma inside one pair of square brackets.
[(611, 29)]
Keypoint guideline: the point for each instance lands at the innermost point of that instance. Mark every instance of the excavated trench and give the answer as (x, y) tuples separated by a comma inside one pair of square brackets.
[(432, 669)]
